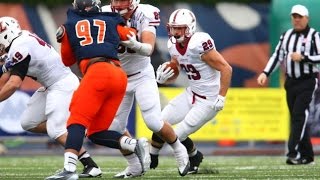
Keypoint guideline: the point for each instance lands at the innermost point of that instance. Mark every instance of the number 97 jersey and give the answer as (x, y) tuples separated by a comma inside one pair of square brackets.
[(93, 34), (203, 79)]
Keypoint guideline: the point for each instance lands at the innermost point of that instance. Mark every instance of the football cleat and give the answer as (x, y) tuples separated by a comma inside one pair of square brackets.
[(90, 171), (154, 161), (300, 161), (142, 152), (195, 163), (64, 175), (182, 159), (129, 173)]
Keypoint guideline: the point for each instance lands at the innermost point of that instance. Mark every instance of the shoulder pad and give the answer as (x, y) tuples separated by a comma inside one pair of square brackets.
[(60, 33), (150, 12), (201, 42)]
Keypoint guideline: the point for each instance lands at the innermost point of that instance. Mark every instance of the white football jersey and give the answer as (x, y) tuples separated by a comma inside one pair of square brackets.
[(145, 18), (45, 65), (203, 79)]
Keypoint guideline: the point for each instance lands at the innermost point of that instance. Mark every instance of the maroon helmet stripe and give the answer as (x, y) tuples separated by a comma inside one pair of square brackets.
[(175, 16)]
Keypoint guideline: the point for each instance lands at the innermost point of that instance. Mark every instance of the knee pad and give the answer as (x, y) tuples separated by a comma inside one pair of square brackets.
[(56, 126), (27, 125), (153, 121)]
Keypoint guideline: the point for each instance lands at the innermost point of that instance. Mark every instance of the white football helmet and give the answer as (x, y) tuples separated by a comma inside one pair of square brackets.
[(123, 7), (182, 18), (9, 30)]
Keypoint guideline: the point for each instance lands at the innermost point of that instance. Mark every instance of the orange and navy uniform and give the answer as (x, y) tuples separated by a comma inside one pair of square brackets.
[(91, 40)]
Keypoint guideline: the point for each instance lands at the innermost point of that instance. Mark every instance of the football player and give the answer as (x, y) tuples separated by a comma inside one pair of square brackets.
[(134, 55), (48, 108), (209, 77), (91, 39)]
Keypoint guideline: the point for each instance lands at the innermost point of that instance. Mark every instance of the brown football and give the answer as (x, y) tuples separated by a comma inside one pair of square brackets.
[(175, 67)]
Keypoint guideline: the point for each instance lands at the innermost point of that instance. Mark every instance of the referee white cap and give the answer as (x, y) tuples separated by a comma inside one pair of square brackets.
[(300, 9)]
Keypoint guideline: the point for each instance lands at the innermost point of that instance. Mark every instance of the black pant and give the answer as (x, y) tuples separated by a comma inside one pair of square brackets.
[(299, 96)]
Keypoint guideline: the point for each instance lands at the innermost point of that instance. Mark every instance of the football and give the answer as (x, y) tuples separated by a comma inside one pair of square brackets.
[(124, 31), (175, 66)]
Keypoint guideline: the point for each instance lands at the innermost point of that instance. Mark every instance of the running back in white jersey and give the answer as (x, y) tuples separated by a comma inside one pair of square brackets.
[(45, 65), (203, 79), (145, 18)]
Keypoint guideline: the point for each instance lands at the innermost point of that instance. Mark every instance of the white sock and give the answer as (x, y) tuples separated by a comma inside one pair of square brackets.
[(176, 145), (128, 143), (70, 161), (154, 150)]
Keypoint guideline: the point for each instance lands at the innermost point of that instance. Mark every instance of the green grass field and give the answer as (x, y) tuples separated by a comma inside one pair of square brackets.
[(244, 167)]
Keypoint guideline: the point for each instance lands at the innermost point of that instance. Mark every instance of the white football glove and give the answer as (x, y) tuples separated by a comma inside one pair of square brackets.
[(219, 103), (164, 74), (132, 43)]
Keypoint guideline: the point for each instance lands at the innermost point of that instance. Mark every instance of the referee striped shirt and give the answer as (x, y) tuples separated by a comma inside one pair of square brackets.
[(307, 43)]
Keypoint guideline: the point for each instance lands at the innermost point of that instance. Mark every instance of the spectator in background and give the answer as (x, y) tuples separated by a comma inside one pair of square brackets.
[(134, 55), (209, 77), (91, 39), (299, 50), (47, 110)]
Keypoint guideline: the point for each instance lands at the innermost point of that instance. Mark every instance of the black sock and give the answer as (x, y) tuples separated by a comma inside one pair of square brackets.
[(87, 160)]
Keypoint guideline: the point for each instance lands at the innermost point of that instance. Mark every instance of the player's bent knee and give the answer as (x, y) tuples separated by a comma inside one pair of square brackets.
[(155, 126), (27, 126), (55, 133), (153, 122)]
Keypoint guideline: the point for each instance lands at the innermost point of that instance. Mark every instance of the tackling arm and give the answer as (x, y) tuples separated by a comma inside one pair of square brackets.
[(67, 54), (10, 87)]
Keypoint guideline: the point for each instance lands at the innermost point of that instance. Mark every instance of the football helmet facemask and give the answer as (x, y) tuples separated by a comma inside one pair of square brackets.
[(87, 5), (124, 6), (9, 30), (182, 18)]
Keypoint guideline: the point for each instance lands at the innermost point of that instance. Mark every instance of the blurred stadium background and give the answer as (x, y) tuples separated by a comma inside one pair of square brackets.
[(254, 121)]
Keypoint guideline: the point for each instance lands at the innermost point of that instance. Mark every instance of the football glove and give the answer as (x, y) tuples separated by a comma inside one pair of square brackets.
[(163, 73), (132, 43), (219, 103), (5, 67)]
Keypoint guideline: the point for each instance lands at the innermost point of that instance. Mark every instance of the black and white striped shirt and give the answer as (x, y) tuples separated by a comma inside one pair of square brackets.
[(306, 43)]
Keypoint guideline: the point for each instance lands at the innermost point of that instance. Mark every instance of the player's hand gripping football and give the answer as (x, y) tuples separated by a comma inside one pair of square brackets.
[(132, 42), (164, 73), (219, 103)]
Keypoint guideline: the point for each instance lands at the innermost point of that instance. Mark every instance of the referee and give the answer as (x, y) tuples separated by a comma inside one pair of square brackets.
[(298, 51)]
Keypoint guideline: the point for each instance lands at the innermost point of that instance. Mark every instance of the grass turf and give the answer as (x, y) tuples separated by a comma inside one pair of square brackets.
[(229, 167)]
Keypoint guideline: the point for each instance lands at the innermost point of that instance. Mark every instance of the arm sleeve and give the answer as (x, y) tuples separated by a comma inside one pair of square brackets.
[(21, 69), (315, 45), (274, 60), (67, 54)]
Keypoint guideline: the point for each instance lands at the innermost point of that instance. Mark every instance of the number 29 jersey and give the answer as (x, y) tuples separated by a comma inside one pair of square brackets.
[(203, 79)]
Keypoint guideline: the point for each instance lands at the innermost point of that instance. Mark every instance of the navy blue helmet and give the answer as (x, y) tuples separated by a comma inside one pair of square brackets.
[(87, 5)]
